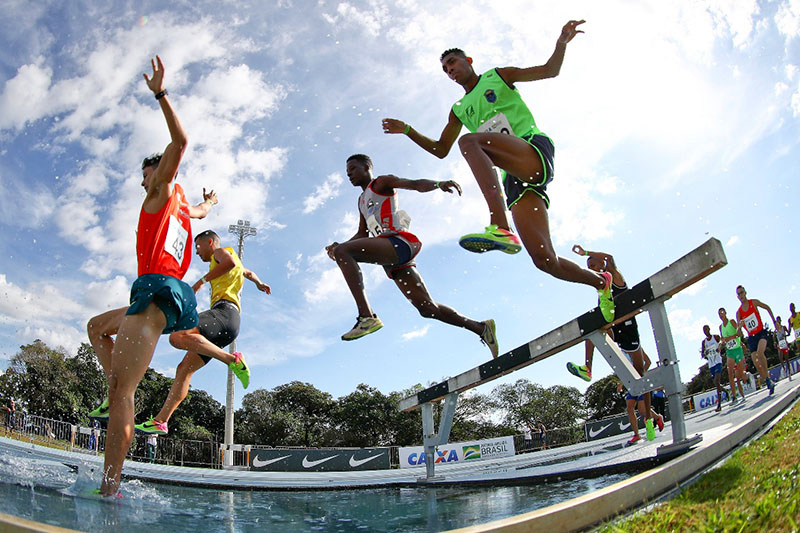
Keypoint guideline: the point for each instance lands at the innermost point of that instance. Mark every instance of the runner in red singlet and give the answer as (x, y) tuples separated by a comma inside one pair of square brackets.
[(748, 317), (160, 302)]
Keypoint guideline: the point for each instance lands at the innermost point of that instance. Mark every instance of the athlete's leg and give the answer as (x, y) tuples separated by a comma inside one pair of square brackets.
[(718, 385), (180, 386), (413, 287), (760, 360), (368, 250), (484, 151), (192, 340), (100, 329), (630, 406), (133, 351), (740, 375), (638, 358), (533, 227), (731, 378)]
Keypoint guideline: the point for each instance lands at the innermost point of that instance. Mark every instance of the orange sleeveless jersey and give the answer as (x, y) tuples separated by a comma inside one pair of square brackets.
[(162, 238)]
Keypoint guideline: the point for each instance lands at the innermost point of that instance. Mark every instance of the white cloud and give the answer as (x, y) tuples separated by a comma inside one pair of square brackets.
[(734, 239), (696, 288), (416, 334), (328, 190)]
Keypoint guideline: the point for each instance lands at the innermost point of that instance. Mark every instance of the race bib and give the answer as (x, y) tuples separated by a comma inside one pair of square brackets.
[(497, 124), (783, 345), (374, 227), (731, 344), (750, 322), (177, 237)]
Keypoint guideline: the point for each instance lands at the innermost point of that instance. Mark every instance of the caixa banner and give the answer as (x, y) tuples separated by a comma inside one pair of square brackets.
[(414, 456), (313, 460)]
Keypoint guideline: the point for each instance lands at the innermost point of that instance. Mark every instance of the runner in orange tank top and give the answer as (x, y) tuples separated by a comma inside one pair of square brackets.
[(748, 317), (160, 301)]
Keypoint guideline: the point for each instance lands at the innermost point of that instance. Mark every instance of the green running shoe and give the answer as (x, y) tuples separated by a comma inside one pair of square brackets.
[(606, 299), (651, 431), (152, 427), (580, 371), (240, 368), (493, 238), (364, 326), (489, 337), (101, 413)]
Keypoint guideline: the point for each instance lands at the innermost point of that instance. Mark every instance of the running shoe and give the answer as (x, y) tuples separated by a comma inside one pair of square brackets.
[(636, 438), (581, 371), (95, 493), (650, 430), (364, 326), (240, 368), (101, 413), (771, 387), (744, 399), (493, 238), (152, 427), (719, 408), (606, 298), (660, 423), (734, 400), (489, 337)]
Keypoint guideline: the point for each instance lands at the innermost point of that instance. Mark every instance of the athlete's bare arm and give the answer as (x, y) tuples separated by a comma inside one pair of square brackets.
[(387, 183), (167, 169), (762, 305), (252, 276), (360, 234), (225, 264), (550, 69), (202, 209), (438, 148), (607, 259)]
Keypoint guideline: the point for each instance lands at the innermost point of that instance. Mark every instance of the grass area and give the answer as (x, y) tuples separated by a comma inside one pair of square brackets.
[(755, 490)]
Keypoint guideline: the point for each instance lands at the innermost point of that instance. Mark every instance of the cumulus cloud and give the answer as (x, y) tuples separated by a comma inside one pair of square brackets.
[(328, 190), (415, 334)]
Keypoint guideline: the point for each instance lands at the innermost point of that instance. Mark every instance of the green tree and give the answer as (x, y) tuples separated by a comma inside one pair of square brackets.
[(524, 403), (363, 418), (602, 398)]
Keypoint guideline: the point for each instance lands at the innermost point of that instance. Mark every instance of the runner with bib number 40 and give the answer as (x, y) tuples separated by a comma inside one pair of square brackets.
[(504, 135)]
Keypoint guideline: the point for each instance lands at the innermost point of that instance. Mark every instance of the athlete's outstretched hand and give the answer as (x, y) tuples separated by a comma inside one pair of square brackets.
[(156, 83), (330, 248), (450, 186), (578, 249), (570, 30), (210, 196), (392, 125), (263, 287)]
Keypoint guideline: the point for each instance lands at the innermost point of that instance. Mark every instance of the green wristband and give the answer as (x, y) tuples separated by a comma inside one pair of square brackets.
[(436, 184), (408, 128)]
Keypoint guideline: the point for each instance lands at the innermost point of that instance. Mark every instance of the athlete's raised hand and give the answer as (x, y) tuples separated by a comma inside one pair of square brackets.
[(449, 186), (392, 125), (210, 196), (330, 248), (156, 83), (570, 30), (263, 287)]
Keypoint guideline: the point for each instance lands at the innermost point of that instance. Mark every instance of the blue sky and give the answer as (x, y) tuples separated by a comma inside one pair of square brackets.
[(673, 122)]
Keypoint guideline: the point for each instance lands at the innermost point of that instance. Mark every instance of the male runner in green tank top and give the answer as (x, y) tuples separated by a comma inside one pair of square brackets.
[(731, 337), (504, 135)]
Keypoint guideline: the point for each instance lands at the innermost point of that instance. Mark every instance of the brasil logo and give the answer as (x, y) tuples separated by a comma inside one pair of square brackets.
[(471, 452)]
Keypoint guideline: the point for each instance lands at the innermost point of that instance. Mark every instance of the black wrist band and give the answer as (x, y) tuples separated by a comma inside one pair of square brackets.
[(162, 94)]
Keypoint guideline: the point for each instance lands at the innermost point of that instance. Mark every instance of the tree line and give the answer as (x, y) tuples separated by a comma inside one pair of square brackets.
[(51, 383)]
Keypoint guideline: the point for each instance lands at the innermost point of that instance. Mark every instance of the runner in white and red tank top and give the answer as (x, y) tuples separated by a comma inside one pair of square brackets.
[(748, 317), (383, 238)]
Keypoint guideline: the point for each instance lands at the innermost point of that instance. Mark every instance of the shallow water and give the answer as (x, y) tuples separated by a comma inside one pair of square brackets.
[(45, 491)]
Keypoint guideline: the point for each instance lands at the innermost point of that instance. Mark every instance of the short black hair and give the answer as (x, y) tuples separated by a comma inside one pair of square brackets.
[(151, 160), (449, 51), (361, 158), (208, 234)]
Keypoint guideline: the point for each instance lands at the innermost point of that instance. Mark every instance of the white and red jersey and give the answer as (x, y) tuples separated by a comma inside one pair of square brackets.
[(711, 351), (751, 319), (162, 238), (382, 216)]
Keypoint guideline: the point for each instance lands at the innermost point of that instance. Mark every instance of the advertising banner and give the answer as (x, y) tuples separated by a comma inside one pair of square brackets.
[(705, 400), (608, 427), (414, 456), (314, 460)]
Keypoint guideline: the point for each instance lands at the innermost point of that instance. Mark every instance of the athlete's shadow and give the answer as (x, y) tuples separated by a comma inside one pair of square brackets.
[(714, 484)]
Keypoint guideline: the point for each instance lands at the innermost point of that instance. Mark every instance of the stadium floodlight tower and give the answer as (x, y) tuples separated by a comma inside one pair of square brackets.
[(242, 229)]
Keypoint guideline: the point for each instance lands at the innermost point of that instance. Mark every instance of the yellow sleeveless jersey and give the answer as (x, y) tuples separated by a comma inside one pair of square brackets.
[(228, 286)]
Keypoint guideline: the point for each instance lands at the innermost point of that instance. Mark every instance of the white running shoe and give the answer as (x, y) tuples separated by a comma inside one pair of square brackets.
[(364, 326)]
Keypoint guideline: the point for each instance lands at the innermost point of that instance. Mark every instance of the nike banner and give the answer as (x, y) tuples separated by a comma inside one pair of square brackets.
[(315, 460), (608, 427), (414, 456)]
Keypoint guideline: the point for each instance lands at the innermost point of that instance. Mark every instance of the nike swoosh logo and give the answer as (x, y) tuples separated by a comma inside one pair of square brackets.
[(623, 427), (312, 464), (258, 463), (358, 462), (593, 433)]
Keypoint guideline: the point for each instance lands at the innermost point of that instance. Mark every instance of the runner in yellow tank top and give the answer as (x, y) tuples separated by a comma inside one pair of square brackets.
[(218, 327)]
